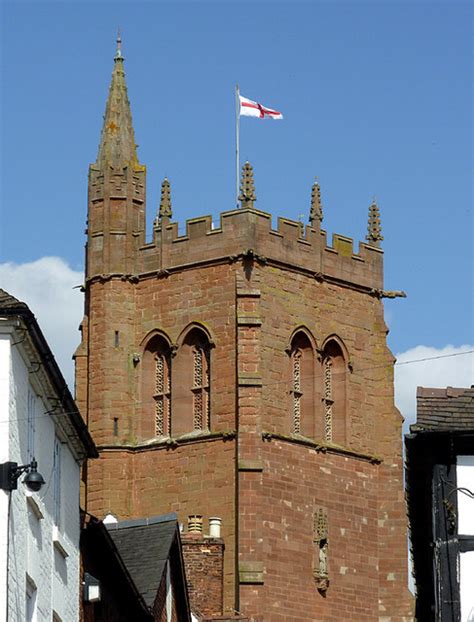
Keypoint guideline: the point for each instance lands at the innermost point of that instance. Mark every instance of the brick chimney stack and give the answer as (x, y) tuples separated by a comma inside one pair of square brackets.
[(204, 564)]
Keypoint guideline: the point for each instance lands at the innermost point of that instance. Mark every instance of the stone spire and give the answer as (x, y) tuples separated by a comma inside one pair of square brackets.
[(117, 143), (247, 187), (165, 202), (374, 229), (316, 209)]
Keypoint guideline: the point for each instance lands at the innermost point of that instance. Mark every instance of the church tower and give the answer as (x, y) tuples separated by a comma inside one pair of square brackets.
[(243, 372)]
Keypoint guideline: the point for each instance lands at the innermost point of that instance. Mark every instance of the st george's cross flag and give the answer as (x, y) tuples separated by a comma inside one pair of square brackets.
[(249, 108)]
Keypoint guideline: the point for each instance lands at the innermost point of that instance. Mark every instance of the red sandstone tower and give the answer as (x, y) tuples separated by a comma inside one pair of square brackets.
[(243, 372)]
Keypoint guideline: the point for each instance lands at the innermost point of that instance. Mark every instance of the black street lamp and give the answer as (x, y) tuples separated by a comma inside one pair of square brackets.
[(10, 472)]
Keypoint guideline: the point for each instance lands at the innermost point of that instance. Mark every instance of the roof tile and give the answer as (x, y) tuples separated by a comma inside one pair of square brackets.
[(451, 408)]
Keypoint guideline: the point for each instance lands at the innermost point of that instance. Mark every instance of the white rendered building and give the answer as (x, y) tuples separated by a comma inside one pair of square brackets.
[(39, 531)]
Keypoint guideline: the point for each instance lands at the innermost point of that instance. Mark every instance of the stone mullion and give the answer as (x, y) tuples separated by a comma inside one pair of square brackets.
[(250, 469)]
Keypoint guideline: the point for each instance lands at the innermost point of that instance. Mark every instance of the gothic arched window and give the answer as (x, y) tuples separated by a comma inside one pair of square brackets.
[(192, 395), (156, 388), (200, 388), (302, 384), (334, 370)]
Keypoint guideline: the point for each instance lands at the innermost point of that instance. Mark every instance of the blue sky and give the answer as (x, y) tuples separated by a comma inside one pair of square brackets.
[(377, 99)]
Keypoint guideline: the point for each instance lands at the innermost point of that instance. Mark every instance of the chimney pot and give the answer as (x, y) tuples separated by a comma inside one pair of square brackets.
[(215, 524), (195, 523)]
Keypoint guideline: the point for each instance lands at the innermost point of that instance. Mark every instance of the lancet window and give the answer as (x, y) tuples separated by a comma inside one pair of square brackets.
[(200, 387), (162, 394), (156, 388), (334, 371), (302, 385), (297, 394), (327, 399), (192, 395)]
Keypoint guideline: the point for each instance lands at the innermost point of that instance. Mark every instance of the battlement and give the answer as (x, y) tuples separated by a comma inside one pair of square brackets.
[(116, 230), (240, 231), (244, 362)]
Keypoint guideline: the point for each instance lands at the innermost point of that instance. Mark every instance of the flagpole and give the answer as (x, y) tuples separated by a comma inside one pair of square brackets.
[(237, 142)]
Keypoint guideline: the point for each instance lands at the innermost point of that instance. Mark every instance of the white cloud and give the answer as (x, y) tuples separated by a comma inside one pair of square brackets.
[(46, 285), (452, 369)]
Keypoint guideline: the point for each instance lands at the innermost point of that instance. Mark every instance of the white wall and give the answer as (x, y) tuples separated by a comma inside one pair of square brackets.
[(4, 410), (467, 582), (46, 556), (465, 479)]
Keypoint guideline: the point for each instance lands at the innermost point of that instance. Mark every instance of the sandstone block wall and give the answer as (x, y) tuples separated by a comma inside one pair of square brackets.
[(249, 288)]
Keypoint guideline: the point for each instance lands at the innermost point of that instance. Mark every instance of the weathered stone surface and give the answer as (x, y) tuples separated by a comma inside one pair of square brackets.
[(249, 288)]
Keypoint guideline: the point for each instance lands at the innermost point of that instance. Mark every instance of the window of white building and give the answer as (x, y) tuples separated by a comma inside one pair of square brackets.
[(31, 597)]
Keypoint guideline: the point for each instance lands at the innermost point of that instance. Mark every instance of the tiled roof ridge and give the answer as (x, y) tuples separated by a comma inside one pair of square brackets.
[(143, 522), (446, 409), (434, 392)]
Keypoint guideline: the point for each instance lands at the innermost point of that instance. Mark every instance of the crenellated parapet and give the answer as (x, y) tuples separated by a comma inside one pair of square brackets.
[(291, 244), (239, 369), (116, 221)]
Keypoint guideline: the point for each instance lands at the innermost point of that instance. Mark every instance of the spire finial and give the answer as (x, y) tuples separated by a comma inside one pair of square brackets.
[(316, 209), (247, 187), (165, 201), (118, 53), (117, 143), (374, 229)]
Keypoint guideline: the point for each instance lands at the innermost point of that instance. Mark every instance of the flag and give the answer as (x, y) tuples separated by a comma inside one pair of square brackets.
[(249, 108)]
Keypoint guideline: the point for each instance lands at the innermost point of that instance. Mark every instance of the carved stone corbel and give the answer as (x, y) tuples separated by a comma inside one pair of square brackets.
[(393, 293)]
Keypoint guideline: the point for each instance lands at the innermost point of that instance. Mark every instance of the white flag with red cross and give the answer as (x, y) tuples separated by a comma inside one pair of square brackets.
[(249, 108)]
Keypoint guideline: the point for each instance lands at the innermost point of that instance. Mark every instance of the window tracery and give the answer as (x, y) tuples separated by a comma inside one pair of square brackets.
[(327, 399), (302, 384), (200, 388), (162, 395), (192, 394), (156, 388), (334, 378), (297, 392)]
